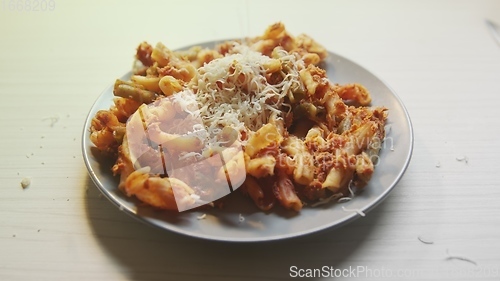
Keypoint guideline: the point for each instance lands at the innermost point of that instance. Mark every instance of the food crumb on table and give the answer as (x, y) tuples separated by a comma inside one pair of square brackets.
[(459, 258), (25, 182), (53, 120), (425, 241), (463, 158)]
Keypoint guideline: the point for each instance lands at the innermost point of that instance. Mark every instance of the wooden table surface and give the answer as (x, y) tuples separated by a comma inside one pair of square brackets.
[(438, 56)]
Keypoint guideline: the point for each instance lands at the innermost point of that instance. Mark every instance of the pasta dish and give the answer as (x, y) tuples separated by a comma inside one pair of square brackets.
[(257, 116)]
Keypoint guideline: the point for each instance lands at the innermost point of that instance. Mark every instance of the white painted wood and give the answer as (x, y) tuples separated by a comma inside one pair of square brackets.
[(437, 55)]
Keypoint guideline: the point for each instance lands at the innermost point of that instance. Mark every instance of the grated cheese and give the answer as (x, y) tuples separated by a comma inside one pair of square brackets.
[(354, 210), (347, 198), (233, 91), (326, 200)]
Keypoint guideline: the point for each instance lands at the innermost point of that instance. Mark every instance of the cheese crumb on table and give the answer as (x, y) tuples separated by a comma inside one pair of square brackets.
[(463, 158), (25, 182), (424, 240), (53, 120)]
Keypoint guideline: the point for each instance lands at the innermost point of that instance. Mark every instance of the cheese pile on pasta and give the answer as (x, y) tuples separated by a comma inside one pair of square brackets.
[(284, 132)]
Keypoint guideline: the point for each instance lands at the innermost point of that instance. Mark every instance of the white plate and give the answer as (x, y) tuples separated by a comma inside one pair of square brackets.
[(226, 224)]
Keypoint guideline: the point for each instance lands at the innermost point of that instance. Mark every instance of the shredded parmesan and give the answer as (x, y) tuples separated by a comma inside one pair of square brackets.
[(201, 217), (326, 200), (351, 192), (354, 210), (233, 91), (344, 199)]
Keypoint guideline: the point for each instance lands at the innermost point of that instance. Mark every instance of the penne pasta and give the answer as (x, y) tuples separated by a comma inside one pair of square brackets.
[(169, 85), (149, 83), (133, 91), (264, 137), (261, 167)]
